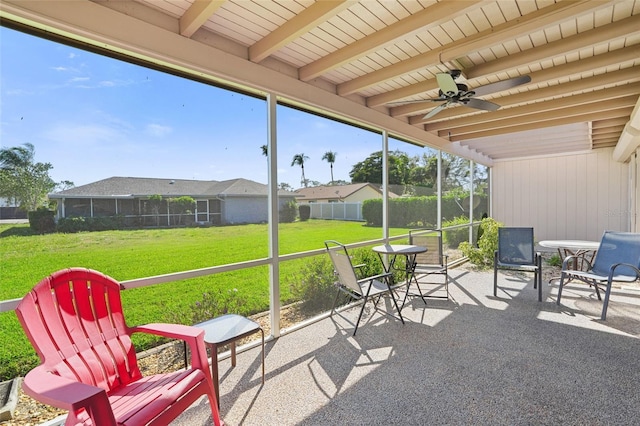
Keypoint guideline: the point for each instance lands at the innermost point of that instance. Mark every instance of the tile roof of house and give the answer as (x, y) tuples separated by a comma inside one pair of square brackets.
[(334, 192), (139, 187)]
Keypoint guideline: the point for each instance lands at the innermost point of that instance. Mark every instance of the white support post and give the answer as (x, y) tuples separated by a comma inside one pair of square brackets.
[(439, 192), (471, 189), (274, 268), (385, 185)]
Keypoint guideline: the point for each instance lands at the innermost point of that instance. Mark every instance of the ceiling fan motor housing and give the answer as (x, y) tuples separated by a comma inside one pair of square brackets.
[(463, 93)]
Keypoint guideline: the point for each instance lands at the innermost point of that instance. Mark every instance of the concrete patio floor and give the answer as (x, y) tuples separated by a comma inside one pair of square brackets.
[(473, 359)]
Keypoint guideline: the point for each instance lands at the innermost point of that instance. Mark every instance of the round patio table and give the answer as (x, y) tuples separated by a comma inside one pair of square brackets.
[(578, 248), (409, 251)]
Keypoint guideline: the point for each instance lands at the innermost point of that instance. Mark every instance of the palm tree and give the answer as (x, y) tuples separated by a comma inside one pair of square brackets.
[(330, 157), (298, 160), (17, 157)]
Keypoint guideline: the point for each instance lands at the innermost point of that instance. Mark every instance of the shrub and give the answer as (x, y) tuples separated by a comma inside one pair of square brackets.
[(305, 211), (453, 237), (482, 255), (71, 225), (288, 212), (315, 283), (405, 211), (555, 260), (41, 221), (210, 306)]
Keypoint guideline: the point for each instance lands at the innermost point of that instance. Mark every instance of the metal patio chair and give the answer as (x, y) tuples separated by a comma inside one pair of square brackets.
[(431, 262), (516, 252), (365, 289), (75, 322), (617, 259)]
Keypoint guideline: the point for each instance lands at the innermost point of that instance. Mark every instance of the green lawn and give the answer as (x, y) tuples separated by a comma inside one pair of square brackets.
[(125, 255)]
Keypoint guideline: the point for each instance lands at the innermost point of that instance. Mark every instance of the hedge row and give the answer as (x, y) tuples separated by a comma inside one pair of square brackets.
[(419, 211)]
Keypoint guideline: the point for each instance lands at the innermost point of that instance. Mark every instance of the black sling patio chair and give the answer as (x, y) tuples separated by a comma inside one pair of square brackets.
[(516, 252), (617, 259), (365, 289)]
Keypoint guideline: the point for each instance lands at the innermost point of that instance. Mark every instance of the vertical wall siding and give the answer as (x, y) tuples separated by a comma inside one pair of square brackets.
[(576, 196)]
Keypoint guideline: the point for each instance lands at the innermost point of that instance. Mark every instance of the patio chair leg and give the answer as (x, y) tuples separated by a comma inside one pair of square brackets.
[(495, 274), (395, 302), (335, 299), (597, 290), (360, 315), (560, 289), (605, 304), (419, 289), (538, 278), (538, 275)]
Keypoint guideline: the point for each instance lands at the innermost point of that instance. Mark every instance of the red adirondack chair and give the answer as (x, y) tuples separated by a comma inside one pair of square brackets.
[(74, 320)]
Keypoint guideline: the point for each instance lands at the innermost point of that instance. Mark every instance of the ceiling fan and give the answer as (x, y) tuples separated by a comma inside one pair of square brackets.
[(457, 93)]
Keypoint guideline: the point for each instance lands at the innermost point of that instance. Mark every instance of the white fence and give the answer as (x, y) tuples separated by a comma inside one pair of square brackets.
[(337, 211)]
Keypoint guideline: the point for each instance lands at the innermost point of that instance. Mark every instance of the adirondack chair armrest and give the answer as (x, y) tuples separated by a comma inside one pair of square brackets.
[(172, 331), (60, 392), (193, 336)]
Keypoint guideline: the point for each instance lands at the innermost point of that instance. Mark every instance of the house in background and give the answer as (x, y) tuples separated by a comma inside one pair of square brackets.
[(226, 202), (9, 209), (352, 193), (339, 202)]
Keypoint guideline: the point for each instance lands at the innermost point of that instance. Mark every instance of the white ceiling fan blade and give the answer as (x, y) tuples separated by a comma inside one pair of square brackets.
[(435, 111), (446, 83)]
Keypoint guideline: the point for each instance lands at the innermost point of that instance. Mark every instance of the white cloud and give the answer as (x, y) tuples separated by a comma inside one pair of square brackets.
[(158, 130)]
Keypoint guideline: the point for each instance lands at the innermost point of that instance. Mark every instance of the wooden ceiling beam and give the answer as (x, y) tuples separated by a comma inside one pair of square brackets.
[(530, 151), (490, 144), (623, 28), (599, 124), (534, 21), (520, 127), (517, 149), (537, 20), (197, 14), (605, 143), (545, 111), (309, 18), (594, 96), (429, 17), (618, 56), (600, 80), (606, 131)]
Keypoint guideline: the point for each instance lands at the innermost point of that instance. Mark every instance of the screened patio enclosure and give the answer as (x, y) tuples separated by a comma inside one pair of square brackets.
[(349, 62)]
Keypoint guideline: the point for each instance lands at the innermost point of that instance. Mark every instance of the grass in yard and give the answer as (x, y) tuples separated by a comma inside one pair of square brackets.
[(124, 255)]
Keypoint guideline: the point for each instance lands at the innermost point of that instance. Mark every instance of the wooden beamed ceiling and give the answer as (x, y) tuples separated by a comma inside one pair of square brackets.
[(583, 58)]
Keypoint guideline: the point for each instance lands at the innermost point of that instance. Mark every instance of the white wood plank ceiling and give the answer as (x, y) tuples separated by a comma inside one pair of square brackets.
[(583, 58)]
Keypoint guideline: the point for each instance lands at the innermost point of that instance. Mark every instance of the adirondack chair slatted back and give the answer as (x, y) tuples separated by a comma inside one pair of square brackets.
[(344, 268), (617, 247), (74, 321)]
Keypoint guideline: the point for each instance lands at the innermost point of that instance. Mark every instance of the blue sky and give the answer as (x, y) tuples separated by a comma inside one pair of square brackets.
[(94, 117)]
